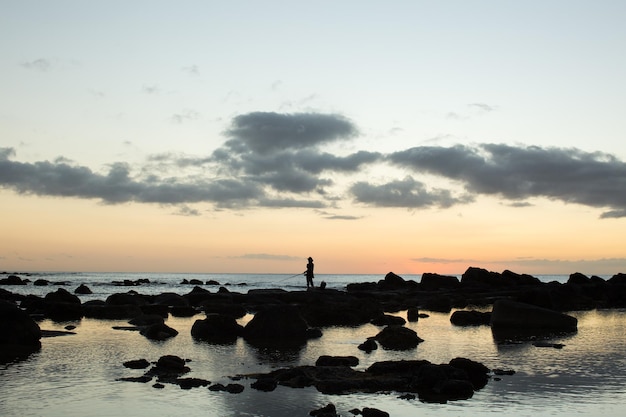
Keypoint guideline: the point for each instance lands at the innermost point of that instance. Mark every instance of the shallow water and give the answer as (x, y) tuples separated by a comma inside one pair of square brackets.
[(76, 375)]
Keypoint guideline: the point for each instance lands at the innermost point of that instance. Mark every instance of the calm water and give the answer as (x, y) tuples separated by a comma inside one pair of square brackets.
[(76, 375)]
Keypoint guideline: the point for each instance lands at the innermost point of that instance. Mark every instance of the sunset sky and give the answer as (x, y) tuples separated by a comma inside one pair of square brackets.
[(244, 136)]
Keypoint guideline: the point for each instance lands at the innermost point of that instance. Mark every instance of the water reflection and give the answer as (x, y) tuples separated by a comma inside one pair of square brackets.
[(76, 375)]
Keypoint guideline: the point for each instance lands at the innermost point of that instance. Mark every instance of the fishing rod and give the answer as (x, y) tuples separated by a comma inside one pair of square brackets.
[(293, 276)]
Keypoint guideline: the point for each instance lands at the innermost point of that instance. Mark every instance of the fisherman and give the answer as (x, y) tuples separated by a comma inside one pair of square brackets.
[(309, 273)]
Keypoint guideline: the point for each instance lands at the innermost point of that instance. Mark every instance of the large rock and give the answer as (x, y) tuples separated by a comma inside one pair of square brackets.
[(13, 280), (513, 315), (61, 295), (397, 337), (19, 334), (282, 324), (432, 282), (217, 328), (99, 310), (158, 331), (470, 318)]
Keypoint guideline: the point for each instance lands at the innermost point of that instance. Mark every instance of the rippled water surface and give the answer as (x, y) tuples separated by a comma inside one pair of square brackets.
[(76, 375)]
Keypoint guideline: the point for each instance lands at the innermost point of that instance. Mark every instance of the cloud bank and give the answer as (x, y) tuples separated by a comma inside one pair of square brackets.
[(279, 160)]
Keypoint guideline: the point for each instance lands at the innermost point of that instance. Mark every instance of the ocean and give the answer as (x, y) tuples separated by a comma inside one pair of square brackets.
[(78, 375)]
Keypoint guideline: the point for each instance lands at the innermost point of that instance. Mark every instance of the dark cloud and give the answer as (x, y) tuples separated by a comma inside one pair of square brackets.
[(262, 132), (65, 180), (407, 193), (517, 173), (277, 160)]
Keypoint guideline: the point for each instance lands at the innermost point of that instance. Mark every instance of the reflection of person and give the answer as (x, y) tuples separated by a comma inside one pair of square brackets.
[(309, 273)]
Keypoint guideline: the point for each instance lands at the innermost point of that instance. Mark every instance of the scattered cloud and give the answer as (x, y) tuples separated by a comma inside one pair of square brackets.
[(40, 64), (185, 116), (268, 257), (445, 260), (482, 107), (407, 193), (192, 70), (278, 160), (185, 210), (151, 89)]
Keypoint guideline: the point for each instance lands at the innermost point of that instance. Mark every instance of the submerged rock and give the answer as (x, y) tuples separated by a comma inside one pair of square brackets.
[(437, 383)]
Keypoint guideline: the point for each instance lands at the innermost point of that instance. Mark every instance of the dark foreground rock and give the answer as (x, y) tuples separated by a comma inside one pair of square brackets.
[(456, 380), (277, 326), (397, 337), (217, 328), (509, 314), (19, 334), (470, 318)]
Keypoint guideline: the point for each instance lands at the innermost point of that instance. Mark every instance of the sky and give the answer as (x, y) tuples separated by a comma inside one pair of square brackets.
[(245, 136)]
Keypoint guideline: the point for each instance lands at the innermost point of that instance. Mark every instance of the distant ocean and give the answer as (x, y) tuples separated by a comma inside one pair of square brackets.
[(103, 284), (78, 375)]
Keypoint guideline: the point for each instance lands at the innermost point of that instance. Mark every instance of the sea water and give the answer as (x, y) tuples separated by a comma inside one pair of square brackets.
[(78, 375)]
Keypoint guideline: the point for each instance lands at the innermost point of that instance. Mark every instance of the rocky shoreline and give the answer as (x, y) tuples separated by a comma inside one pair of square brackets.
[(521, 307)]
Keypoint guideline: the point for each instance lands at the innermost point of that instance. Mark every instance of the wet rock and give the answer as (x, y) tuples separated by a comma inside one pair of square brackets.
[(388, 320), (326, 360), (392, 281), (328, 410), (59, 311), (146, 320), (368, 346), (412, 314), (477, 372), (142, 379), (183, 311), (433, 282), (342, 310), (501, 372), (19, 334), (13, 280), (217, 328), (398, 338), (171, 299), (41, 282), (373, 412), (281, 324), (111, 311), (548, 344), (61, 295), (137, 364), (470, 318), (440, 304), (129, 298), (512, 315), (264, 384), (83, 290), (437, 383), (231, 388), (169, 366), (158, 331), (189, 383)]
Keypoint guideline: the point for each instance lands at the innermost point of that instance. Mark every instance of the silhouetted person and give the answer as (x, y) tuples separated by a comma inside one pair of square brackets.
[(309, 273)]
